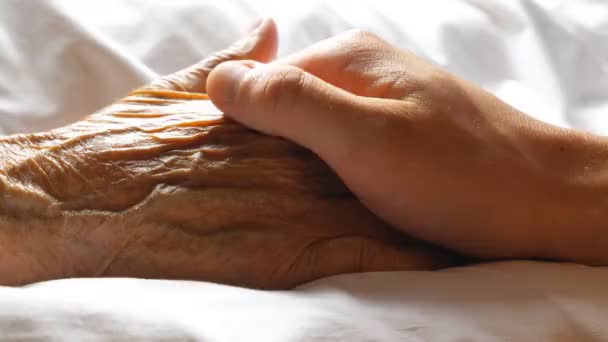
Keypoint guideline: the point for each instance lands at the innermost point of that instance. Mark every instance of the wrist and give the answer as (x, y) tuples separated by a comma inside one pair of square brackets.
[(36, 237), (577, 214), (556, 183)]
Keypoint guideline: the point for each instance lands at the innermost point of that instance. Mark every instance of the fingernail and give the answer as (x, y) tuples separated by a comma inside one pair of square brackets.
[(227, 79)]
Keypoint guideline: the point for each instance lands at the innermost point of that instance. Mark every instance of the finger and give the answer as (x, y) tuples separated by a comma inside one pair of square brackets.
[(286, 101), (357, 61), (361, 254), (260, 44)]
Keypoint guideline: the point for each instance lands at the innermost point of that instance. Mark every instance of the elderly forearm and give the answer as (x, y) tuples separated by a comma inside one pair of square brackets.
[(30, 251), (38, 241), (28, 241)]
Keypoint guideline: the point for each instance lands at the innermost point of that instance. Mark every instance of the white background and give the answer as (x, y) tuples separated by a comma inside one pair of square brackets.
[(60, 60)]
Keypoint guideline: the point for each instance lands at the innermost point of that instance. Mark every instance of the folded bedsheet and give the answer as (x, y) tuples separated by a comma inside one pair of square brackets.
[(511, 301), (546, 57)]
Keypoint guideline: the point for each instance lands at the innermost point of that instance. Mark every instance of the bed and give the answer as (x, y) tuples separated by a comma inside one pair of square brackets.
[(548, 58)]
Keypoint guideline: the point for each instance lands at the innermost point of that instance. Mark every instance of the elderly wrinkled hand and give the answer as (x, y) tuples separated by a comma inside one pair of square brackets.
[(161, 185)]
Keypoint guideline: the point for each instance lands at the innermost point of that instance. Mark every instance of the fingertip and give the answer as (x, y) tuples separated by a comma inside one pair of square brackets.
[(223, 83), (266, 40)]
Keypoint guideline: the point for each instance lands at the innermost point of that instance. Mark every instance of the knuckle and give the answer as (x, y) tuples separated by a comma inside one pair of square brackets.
[(361, 36), (360, 43), (277, 90), (168, 82), (218, 57)]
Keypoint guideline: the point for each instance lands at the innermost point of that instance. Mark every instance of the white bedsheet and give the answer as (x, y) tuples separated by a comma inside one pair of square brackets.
[(546, 57)]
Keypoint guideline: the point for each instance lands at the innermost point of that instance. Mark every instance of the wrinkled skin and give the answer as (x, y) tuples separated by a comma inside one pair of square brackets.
[(160, 185), (176, 191)]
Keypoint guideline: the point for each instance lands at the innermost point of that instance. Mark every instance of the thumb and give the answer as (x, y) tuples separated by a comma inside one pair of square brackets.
[(286, 101)]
